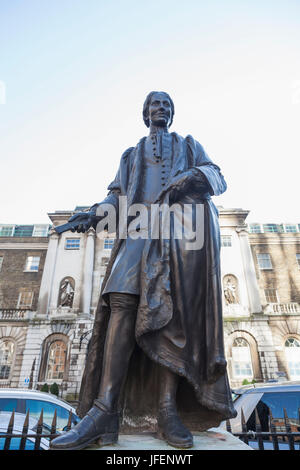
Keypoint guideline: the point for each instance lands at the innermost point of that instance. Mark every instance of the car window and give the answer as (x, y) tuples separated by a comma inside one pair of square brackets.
[(279, 400), (276, 401), (8, 404), (15, 444), (35, 407)]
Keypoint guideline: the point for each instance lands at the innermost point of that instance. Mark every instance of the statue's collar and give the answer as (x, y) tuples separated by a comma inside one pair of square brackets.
[(158, 131)]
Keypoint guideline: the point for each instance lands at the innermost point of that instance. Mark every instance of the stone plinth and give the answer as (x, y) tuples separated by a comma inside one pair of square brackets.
[(213, 439)]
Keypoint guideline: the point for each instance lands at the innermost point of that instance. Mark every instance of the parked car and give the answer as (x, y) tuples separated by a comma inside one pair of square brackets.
[(264, 397), (17, 429), (21, 400)]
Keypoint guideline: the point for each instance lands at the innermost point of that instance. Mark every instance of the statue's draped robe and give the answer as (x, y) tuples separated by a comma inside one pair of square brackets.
[(179, 319)]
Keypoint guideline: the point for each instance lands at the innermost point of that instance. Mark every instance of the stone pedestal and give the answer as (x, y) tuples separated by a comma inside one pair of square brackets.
[(213, 439)]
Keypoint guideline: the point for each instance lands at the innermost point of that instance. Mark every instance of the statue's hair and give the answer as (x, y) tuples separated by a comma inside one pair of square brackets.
[(147, 103)]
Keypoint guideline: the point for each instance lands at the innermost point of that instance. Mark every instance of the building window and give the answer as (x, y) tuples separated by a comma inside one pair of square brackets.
[(23, 231), (255, 228), (271, 296), (6, 358), (291, 228), (72, 244), (271, 228), (108, 243), (241, 359), (104, 261), (25, 299), (298, 259), (226, 240), (264, 261), (40, 231), (292, 353), (1, 262), (6, 230), (32, 264), (56, 360)]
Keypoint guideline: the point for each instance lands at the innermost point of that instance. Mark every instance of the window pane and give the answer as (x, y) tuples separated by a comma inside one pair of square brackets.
[(255, 228), (271, 228), (56, 360), (108, 243), (241, 359), (1, 262), (279, 400), (72, 244), (292, 353), (32, 263), (25, 299), (23, 231), (298, 259), (291, 228), (264, 261), (8, 404), (36, 406), (40, 231), (226, 240), (271, 295), (6, 358), (6, 231)]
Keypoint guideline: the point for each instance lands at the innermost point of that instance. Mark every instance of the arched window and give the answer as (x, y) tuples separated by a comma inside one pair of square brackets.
[(7, 348), (241, 359), (56, 360), (292, 354)]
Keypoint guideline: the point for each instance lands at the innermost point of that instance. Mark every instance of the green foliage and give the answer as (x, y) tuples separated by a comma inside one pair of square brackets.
[(54, 389), (45, 388), (245, 382)]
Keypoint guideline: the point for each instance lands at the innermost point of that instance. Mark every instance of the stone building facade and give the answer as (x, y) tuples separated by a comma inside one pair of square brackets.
[(49, 339)]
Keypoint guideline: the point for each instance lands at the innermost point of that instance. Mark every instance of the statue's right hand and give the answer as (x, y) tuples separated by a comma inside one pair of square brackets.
[(82, 221)]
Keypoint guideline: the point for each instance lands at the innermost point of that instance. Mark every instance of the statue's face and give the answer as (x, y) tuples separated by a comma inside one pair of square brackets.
[(160, 110)]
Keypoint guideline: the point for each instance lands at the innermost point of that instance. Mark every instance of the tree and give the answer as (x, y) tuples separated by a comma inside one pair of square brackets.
[(54, 389)]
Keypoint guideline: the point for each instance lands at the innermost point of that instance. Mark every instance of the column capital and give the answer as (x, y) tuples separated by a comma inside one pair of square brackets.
[(53, 234), (91, 232)]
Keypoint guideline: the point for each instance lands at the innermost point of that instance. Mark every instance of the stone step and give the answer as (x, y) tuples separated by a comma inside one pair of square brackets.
[(213, 439)]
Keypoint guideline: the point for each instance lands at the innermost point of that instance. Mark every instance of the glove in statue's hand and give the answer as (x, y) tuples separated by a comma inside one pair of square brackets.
[(83, 221), (183, 183)]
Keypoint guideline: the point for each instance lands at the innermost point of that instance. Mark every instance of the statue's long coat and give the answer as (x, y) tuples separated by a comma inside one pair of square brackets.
[(179, 320)]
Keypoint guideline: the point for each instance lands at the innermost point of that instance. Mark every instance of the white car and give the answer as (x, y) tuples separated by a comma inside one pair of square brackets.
[(19, 419), (266, 397), (22, 400)]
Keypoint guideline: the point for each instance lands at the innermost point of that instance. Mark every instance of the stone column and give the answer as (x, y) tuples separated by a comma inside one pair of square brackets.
[(249, 271), (88, 271), (48, 274)]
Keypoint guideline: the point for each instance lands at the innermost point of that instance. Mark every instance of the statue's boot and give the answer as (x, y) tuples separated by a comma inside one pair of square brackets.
[(101, 423), (170, 427)]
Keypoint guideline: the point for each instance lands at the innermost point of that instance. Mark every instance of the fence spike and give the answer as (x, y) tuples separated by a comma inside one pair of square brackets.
[(288, 430), (24, 431), (228, 426), (53, 425), (9, 430), (69, 421), (39, 431), (273, 430), (257, 422)]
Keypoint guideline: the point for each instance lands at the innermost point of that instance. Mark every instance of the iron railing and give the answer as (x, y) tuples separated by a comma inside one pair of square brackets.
[(26, 433), (280, 431)]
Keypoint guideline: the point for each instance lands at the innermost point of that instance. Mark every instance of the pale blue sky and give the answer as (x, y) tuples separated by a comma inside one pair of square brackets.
[(76, 73)]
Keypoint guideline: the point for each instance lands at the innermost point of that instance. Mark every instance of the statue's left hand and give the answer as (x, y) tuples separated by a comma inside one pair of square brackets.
[(182, 183)]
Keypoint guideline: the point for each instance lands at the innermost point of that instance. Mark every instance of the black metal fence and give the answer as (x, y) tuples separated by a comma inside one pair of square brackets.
[(39, 431), (267, 432)]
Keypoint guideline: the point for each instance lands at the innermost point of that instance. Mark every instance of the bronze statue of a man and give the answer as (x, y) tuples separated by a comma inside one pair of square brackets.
[(156, 357)]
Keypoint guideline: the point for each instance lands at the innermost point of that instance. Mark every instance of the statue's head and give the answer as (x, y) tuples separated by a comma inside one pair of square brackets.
[(158, 109)]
